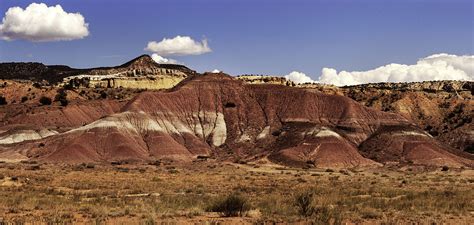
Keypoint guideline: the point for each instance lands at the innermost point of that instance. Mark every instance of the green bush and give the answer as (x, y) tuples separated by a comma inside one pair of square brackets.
[(3, 100), (232, 205), (61, 97), (45, 100)]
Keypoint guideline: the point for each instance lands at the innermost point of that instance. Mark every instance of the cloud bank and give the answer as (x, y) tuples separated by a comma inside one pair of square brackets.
[(38, 22), (179, 45), (435, 67), (299, 77)]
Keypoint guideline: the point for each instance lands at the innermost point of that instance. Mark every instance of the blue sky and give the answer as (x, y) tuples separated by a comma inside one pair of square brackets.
[(260, 36)]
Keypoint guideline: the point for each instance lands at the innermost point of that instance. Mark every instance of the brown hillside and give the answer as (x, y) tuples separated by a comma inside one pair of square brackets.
[(222, 117)]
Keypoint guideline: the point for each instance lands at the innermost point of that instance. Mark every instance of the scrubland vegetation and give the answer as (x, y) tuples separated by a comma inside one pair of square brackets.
[(203, 191)]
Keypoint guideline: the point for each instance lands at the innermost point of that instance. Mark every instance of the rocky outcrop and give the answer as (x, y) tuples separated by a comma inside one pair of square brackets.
[(262, 79)]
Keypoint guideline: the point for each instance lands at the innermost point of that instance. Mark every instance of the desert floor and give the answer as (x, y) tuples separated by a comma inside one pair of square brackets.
[(181, 194)]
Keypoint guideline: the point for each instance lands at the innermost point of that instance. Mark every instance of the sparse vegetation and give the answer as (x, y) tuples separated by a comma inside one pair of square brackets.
[(128, 192)]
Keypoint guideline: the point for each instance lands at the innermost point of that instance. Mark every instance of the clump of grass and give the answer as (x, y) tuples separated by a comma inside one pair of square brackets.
[(232, 205), (370, 214), (304, 203), (327, 215)]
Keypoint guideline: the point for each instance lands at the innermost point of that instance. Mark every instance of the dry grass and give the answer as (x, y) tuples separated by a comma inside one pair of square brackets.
[(147, 194)]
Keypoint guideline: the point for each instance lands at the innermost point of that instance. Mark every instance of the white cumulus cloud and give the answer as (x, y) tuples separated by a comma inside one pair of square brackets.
[(299, 77), (160, 59), (215, 71), (435, 67), (38, 22), (179, 45)]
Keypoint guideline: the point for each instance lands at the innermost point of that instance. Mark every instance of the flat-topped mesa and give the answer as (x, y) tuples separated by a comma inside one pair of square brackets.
[(140, 73)]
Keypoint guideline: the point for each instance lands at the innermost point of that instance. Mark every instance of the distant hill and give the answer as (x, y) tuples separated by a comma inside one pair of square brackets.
[(56, 73)]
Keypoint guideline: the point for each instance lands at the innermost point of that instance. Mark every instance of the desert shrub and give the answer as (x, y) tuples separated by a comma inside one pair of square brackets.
[(232, 205), (345, 172), (24, 99), (3, 100), (469, 149), (327, 215), (45, 100), (69, 86), (103, 94), (229, 105), (370, 214), (149, 220), (61, 97), (33, 167), (304, 203), (445, 168), (37, 85)]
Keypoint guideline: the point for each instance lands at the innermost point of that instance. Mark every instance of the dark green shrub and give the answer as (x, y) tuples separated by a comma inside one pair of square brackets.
[(445, 168), (103, 94), (232, 205), (45, 100), (3, 100), (61, 97)]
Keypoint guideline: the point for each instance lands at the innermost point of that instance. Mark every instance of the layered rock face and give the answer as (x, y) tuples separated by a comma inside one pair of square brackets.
[(220, 116), (442, 108)]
